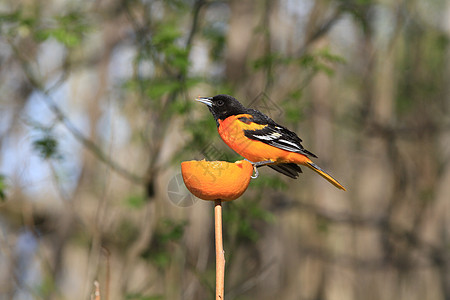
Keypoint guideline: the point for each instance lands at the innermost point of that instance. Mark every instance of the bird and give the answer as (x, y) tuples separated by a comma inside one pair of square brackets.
[(259, 139)]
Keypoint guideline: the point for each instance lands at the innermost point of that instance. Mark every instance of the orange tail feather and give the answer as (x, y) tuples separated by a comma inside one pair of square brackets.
[(324, 174)]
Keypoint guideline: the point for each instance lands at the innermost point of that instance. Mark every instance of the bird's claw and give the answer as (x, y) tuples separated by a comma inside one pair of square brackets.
[(257, 165), (256, 172)]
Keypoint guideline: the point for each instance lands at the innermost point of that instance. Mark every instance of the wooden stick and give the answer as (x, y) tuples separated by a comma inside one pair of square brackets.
[(96, 295), (220, 254)]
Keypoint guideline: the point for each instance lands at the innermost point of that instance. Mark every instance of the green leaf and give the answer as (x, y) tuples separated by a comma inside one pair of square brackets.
[(125, 233), (47, 147), (266, 61), (161, 259), (322, 225), (307, 61), (3, 187), (135, 201), (68, 30), (167, 233), (70, 39), (176, 57), (244, 216), (46, 286), (326, 55), (216, 34), (173, 231), (158, 88), (181, 106), (11, 17), (258, 213), (165, 35)]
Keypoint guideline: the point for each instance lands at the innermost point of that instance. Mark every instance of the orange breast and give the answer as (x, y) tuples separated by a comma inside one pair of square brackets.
[(231, 130)]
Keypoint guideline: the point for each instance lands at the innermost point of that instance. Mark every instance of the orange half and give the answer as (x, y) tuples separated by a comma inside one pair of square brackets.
[(214, 180)]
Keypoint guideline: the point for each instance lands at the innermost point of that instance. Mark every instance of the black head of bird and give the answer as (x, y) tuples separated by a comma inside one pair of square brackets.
[(222, 106)]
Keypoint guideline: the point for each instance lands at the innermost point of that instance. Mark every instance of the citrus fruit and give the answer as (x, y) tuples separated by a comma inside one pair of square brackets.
[(216, 180)]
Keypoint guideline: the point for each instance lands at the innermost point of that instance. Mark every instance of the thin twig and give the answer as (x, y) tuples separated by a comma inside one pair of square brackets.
[(89, 144), (220, 253), (39, 86), (107, 254), (320, 31), (96, 294)]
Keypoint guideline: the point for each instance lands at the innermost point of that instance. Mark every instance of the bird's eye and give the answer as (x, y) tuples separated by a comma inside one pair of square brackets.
[(220, 102)]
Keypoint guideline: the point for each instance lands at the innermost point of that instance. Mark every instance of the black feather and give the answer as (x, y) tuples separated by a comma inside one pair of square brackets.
[(278, 136), (289, 169)]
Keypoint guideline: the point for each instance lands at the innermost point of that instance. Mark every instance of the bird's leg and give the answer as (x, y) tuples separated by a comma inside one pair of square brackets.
[(257, 165), (263, 163), (256, 172)]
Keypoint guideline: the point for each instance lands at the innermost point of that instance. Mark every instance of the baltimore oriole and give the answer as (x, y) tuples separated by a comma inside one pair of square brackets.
[(259, 139)]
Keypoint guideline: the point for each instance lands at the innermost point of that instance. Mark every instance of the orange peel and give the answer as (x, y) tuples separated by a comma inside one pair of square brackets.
[(216, 180)]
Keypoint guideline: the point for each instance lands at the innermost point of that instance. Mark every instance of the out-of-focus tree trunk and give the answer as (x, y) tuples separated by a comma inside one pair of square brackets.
[(241, 30), (441, 212)]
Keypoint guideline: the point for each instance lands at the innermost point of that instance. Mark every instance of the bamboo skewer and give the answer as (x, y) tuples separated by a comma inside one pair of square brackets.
[(220, 253)]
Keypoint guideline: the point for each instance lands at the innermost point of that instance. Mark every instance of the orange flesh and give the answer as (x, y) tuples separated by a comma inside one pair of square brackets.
[(213, 180)]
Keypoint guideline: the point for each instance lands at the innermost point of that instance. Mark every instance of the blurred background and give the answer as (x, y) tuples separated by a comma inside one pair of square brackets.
[(97, 112)]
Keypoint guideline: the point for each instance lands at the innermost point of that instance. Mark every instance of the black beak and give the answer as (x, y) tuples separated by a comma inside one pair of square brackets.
[(205, 100)]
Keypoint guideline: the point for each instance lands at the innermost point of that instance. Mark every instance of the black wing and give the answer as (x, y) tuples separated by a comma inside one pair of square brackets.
[(289, 169), (274, 135)]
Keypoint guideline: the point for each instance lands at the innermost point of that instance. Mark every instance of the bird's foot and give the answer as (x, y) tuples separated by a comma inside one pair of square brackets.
[(257, 165), (260, 163)]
